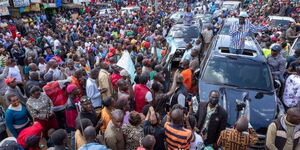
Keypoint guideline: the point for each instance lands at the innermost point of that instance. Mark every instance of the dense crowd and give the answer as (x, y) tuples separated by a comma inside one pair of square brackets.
[(90, 81)]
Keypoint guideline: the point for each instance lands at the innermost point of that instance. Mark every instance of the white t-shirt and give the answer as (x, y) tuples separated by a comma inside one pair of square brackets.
[(42, 68), (56, 44), (198, 143), (14, 72)]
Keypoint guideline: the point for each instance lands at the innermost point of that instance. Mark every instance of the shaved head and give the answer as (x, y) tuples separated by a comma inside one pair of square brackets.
[(293, 115), (177, 116), (90, 133)]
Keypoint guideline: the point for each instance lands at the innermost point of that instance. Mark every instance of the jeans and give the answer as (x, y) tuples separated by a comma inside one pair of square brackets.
[(72, 140), (236, 51)]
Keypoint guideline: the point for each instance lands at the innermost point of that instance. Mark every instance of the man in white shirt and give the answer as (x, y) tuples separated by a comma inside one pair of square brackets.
[(57, 43), (207, 36), (291, 94), (93, 92), (57, 74)]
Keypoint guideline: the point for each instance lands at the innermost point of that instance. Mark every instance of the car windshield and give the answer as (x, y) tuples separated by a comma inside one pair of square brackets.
[(230, 6), (237, 73), (185, 32), (225, 29), (277, 23), (297, 44)]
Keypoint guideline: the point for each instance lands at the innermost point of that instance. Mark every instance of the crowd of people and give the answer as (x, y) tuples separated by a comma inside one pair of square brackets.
[(62, 81)]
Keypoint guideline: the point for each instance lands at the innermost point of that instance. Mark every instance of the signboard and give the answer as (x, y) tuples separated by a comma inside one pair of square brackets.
[(4, 11), (21, 3), (4, 3)]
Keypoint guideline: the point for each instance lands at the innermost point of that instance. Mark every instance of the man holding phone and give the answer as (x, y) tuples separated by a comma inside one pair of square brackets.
[(238, 32)]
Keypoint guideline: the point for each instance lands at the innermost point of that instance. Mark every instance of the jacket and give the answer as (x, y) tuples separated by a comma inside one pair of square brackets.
[(140, 92), (56, 94), (176, 99), (217, 122), (282, 132)]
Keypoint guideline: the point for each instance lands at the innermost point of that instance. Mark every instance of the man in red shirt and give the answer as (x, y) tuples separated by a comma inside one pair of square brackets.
[(142, 93)]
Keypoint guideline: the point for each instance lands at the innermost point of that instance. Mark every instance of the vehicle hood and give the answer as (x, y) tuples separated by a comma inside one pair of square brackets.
[(262, 111)]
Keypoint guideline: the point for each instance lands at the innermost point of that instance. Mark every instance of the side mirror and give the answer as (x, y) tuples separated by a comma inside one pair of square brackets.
[(277, 84)]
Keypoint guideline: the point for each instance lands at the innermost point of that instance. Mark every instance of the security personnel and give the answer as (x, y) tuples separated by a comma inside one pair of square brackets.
[(277, 63)]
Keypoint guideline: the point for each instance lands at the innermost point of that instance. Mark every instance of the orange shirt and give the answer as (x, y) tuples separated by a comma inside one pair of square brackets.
[(105, 116), (187, 78), (76, 82)]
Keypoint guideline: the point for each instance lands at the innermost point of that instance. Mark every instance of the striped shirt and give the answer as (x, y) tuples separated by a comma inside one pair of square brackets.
[(235, 140), (178, 137), (238, 36)]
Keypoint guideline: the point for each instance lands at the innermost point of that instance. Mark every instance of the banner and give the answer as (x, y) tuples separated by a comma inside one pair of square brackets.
[(21, 3), (4, 3), (126, 63), (4, 11)]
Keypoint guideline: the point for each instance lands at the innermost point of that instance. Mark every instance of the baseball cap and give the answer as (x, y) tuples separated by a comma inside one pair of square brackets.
[(243, 14), (9, 80)]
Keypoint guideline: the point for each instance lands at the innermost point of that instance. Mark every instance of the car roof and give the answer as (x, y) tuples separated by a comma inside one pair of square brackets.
[(281, 18), (222, 44), (231, 20), (183, 25), (231, 2)]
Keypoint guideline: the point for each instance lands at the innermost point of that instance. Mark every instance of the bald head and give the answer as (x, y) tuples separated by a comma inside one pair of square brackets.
[(242, 124), (148, 142), (293, 115), (33, 67), (34, 76), (177, 116), (90, 133)]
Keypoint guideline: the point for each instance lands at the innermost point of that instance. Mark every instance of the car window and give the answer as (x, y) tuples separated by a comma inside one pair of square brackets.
[(234, 72), (277, 23), (185, 32), (297, 44), (225, 29)]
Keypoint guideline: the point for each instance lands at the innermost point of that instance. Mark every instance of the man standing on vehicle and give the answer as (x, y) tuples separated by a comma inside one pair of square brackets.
[(238, 32), (276, 63), (212, 119), (282, 132)]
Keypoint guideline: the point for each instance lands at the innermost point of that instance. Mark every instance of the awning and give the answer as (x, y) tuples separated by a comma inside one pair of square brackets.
[(71, 6)]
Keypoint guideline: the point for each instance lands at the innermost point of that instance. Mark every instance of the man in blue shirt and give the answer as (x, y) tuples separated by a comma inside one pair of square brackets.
[(90, 136), (238, 32)]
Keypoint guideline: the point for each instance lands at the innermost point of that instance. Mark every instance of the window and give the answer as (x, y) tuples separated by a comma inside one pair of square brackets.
[(185, 32), (239, 73)]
